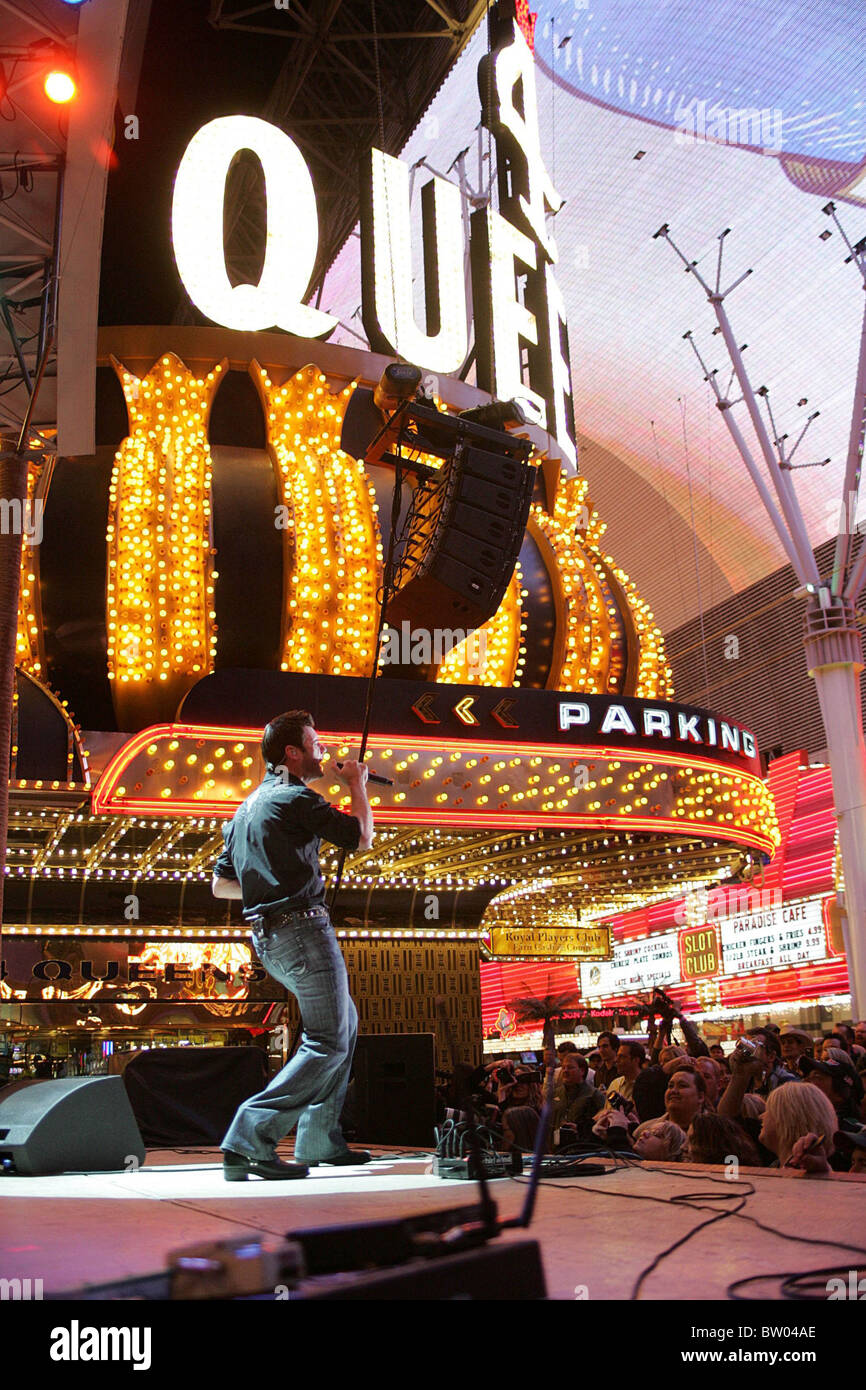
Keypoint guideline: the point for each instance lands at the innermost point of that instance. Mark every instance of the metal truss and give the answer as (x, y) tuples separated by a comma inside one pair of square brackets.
[(31, 179), (354, 75)]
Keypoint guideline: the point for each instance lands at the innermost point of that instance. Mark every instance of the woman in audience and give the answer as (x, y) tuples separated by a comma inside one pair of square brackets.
[(519, 1128), (659, 1141), (525, 1089), (686, 1095), (798, 1127), (712, 1079), (713, 1139)]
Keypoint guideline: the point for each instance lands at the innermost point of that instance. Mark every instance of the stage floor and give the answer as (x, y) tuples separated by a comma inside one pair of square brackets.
[(597, 1234)]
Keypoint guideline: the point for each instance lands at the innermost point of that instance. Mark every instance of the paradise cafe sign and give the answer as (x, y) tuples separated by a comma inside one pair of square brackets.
[(508, 248)]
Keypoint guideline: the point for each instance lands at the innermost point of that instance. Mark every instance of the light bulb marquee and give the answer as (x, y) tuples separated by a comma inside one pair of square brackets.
[(552, 827), (163, 568), (442, 780), (160, 546)]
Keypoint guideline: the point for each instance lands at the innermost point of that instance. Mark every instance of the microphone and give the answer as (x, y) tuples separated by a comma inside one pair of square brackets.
[(374, 777)]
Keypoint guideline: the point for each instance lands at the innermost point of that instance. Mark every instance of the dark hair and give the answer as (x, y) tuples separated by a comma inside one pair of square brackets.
[(566, 1046), (772, 1045), (637, 1051), (612, 1038), (846, 1046), (523, 1123), (715, 1139), (286, 728), (688, 1064)]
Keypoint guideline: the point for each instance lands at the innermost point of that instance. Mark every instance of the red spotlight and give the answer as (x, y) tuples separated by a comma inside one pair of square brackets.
[(59, 83)]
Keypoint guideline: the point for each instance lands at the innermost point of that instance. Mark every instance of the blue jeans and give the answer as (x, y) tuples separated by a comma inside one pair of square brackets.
[(310, 1090)]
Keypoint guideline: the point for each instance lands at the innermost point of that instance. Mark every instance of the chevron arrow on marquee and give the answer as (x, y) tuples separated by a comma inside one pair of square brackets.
[(501, 712), (463, 710), (424, 710)]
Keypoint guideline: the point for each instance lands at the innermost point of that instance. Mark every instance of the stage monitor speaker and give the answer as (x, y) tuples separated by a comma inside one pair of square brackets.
[(189, 1095), (393, 1098), (75, 1124), (464, 536)]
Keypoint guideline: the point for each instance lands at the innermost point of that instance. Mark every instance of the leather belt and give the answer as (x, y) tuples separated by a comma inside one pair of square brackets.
[(267, 921)]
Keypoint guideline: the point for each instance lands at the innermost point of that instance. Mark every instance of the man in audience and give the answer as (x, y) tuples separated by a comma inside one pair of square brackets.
[(837, 1078), (561, 1050), (774, 1073), (851, 1145), (795, 1044), (630, 1058), (607, 1047), (837, 1039), (575, 1102)]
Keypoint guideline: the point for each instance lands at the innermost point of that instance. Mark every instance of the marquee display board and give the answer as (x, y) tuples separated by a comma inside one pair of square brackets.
[(748, 944)]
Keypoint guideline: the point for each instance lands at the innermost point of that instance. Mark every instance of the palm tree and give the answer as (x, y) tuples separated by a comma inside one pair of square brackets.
[(549, 1007)]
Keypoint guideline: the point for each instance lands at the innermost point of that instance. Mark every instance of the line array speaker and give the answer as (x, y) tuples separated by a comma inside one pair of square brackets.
[(464, 536)]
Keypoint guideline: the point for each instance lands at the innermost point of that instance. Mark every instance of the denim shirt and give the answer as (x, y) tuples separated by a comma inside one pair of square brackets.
[(272, 845)]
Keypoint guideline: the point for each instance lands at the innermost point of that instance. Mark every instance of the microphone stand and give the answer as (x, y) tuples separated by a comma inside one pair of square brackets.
[(387, 583), (525, 1217)]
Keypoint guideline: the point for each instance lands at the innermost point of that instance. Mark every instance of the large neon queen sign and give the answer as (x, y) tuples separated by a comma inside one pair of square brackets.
[(521, 338)]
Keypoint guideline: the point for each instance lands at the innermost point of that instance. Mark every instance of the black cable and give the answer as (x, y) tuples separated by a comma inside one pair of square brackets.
[(683, 1240), (664, 1201), (688, 1199), (790, 1284)]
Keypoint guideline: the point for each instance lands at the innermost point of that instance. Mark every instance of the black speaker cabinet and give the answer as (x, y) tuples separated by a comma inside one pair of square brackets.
[(189, 1095), (394, 1095), (76, 1124), (462, 545)]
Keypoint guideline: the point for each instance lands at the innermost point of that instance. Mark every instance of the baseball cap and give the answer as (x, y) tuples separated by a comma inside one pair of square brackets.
[(848, 1139), (839, 1071)]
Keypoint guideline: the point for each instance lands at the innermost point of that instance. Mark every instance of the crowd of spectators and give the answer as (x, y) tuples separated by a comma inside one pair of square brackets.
[(779, 1099)]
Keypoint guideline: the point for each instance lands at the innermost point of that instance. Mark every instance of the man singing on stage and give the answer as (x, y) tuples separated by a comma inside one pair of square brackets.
[(271, 862)]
